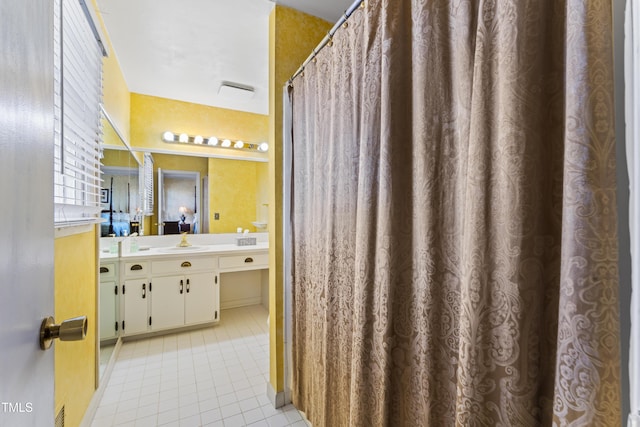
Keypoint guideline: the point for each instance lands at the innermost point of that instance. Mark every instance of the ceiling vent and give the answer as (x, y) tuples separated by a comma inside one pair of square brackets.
[(236, 91)]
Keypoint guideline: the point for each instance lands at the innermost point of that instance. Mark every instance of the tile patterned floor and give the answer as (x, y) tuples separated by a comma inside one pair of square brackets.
[(209, 377)]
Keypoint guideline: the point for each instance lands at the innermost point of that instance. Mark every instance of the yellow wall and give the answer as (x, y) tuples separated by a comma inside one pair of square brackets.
[(75, 295), (119, 158), (292, 36), (116, 96), (262, 193), (233, 190), (152, 116)]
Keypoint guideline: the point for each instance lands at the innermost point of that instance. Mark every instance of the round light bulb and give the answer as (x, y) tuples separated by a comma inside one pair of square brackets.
[(239, 144), (168, 136), (184, 137), (198, 139), (226, 143), (213, 140), (263, 146)]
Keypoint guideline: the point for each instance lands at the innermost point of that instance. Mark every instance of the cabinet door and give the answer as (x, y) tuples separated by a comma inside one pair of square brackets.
[(107, 310), (136, 314), (201, 298), (167, 304)]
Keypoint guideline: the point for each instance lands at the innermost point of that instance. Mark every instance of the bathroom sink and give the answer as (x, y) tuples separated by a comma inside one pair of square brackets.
[(180, 249)]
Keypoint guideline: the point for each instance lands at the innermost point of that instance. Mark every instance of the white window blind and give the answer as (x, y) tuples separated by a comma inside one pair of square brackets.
[(78, 132), (147, 185)]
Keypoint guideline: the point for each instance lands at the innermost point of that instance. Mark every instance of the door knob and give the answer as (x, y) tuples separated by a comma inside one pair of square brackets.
[(74, 329)]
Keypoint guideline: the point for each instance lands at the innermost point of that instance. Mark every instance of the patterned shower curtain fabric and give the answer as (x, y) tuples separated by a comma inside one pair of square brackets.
[(454, 218)]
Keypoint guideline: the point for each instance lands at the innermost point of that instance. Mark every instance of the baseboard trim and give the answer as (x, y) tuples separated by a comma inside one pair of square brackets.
[(87, 420), (240, 302), (277, 399)]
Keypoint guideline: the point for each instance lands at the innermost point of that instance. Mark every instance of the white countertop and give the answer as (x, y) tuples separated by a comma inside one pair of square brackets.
[(194, 250)]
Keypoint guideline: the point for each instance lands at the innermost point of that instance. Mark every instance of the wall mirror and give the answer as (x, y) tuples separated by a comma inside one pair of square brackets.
[(214, 195), (120, 198)]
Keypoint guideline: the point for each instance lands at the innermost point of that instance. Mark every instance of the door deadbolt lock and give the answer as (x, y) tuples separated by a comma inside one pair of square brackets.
[(74, 329)]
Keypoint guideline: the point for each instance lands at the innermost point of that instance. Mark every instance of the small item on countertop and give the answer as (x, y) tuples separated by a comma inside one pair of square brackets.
[(133, 245), (113, 246)]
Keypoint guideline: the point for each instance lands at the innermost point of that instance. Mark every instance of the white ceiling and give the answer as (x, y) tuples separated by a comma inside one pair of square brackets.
[(185, 49)]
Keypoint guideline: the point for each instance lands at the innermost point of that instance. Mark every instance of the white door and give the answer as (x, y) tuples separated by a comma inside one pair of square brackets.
[(200, 299), (167, 304), (160, 216), (26, 192), (178, 201)]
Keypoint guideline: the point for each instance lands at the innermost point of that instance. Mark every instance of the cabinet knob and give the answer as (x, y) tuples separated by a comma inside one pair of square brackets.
[(249, 259), (186, 264), (136, 267), (104, 270)]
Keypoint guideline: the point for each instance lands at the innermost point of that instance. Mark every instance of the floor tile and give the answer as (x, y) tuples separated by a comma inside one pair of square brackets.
[(278, 420), (253, 416), (211, 416), (209, 377), (171, 415), (235, 421)]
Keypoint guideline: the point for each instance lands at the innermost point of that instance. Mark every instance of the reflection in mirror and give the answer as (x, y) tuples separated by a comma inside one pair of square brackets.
[(179, 202), (220, 195), (120, 199), (121, 208)]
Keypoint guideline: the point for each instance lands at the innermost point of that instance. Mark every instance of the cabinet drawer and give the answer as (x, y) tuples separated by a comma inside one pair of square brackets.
[(107, 271), (245, 261), (182, 265), (136, 269)]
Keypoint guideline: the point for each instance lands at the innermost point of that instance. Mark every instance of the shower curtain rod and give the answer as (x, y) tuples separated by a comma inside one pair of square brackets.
[(356, 4)]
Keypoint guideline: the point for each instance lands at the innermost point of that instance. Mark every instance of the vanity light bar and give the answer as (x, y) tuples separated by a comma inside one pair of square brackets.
[(213, 141)]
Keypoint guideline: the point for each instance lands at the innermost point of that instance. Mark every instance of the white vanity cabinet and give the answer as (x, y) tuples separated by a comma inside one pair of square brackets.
[(167, 289), (162, 292), (135, 298), (186, 298), (167, 309), (108, 300), (201, 301)]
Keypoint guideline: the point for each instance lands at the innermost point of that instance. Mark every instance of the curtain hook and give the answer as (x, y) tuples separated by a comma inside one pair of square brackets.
[(330, 42), (345, 24)]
